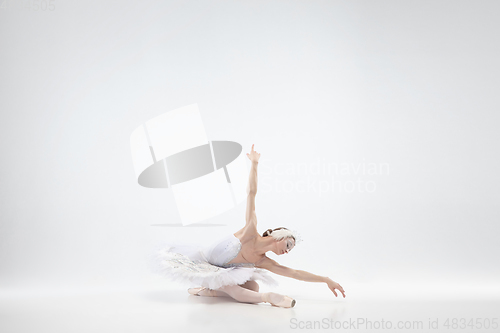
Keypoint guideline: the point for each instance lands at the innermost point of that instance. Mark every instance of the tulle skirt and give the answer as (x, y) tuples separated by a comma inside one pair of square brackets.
[(188, 265)]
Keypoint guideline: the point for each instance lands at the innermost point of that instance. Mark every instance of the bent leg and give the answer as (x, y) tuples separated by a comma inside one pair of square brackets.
[(206, 292), (250, 285), (213, 293), (245, 295)]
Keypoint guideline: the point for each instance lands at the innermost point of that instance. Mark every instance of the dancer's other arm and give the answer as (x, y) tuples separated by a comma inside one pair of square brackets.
[(250, 216), (273, 266), (254, 157)]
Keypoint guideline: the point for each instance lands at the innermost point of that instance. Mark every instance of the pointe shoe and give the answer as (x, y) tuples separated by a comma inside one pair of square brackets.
[(202, 291), (278, 300), (196, 291)]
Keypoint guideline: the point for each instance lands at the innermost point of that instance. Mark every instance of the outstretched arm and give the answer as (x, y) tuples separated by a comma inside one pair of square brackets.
[(276, 268), (254, 157), (250, 217)]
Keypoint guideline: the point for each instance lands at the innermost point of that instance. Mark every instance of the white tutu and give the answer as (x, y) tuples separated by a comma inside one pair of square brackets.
[(208, 267)]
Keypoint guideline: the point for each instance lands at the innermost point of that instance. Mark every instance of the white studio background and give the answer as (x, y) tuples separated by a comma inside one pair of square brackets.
[(400, 96)]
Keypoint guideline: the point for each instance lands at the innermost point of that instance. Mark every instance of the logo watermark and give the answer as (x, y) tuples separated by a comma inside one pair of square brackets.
[(364, 324), (322, 177)]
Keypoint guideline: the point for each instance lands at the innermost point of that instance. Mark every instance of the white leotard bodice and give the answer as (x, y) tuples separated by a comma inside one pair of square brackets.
[(225, 250)]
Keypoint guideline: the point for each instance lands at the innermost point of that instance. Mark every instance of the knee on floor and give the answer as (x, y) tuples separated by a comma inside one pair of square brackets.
[(252, 285)]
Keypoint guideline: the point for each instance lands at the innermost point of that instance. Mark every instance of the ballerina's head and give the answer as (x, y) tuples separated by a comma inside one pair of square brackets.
[(285, 239)]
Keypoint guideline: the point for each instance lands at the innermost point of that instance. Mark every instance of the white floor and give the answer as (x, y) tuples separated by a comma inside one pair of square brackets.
[(160, 308)]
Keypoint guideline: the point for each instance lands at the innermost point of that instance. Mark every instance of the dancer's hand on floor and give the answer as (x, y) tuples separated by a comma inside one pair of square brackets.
[(334, 285), (253, 155)]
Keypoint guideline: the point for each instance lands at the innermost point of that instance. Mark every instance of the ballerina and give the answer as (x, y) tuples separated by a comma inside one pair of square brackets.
[(231, 266)]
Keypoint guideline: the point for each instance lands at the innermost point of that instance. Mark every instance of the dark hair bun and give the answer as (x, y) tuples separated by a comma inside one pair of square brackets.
[(269, 231)]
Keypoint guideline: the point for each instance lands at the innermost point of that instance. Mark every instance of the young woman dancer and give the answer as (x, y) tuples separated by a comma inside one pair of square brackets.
[(231, 265)]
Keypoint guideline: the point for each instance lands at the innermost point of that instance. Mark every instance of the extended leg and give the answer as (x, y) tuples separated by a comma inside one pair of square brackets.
[(242, 294), (251, 285), (249, 296)]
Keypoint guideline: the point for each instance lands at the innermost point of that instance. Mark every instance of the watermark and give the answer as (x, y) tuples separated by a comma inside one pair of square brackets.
[(318, 186), (382, 324), (322, 177), (28, 5)]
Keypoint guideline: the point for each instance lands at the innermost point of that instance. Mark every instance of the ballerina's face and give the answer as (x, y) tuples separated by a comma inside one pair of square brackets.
[(285, 245)]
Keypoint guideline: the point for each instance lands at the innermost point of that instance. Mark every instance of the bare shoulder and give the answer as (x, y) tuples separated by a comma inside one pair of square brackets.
[(246, 233)]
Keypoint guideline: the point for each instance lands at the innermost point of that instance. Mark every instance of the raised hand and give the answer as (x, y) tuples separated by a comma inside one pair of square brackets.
[(253, 155), (334, 285)]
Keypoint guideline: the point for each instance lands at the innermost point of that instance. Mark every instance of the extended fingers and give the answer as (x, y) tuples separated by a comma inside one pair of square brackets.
[(342, 290), (253, 151)]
